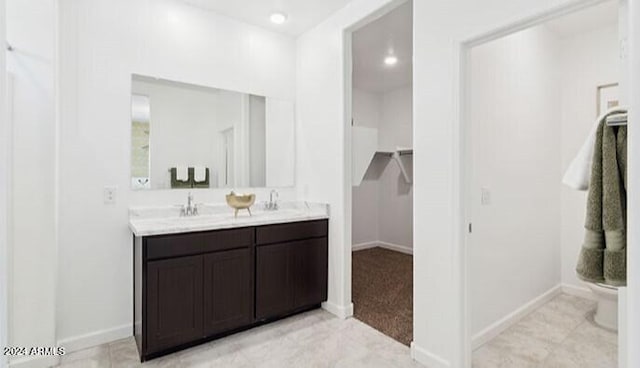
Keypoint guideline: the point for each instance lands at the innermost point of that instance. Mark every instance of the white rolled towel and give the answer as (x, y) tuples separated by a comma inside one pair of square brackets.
[(578, 174), (182, 173), (199, 173), (579, 171)]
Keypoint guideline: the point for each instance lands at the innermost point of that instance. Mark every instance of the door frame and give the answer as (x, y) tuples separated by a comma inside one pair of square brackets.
[(461, 147), (347, 65), (5, 178)]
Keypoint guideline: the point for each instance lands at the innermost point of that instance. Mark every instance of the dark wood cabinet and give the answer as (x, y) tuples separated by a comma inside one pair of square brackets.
[(291, 267), (174, 300), (274, 287), (290, 276), (194, 287), (228, 291), (309, 275)]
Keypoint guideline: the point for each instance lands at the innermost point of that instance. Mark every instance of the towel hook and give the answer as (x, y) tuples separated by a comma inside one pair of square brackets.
[(9, 47)]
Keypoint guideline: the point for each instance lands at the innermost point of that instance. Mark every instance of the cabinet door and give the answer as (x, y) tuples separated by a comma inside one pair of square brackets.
[(309, 272), (228, 291), (274, 292), (174, 302)]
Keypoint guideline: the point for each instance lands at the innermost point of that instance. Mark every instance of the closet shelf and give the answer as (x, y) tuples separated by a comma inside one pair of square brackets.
[(365, 148), (406, 168), (385, 153), (405, 151)]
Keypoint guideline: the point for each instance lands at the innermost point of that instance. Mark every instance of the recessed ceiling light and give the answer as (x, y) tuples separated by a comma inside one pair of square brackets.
[(390, 60), (278, 18)]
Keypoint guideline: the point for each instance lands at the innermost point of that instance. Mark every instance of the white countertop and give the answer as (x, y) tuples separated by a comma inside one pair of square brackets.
[(148, 221)]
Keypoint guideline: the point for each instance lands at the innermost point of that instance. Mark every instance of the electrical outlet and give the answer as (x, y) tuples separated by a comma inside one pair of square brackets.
[(485, 197), (109, 195)]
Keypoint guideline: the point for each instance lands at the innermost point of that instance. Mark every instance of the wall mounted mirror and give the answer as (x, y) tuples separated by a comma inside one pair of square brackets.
[(189, 136)]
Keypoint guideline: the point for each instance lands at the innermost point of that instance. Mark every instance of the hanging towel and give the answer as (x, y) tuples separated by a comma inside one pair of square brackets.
[(579, 171), (182, 173), (603, 255), (200, 173)]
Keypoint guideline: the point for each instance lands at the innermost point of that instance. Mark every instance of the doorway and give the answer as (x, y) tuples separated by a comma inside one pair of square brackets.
[(381, 175), (531, 100)]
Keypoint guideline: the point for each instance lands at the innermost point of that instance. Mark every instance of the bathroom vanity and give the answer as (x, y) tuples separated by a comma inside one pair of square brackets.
[(200, 278)]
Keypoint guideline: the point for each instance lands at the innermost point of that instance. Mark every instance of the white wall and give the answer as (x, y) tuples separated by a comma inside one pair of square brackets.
[(395, 195), (383, 202), (514, 251), (438, 229), (365, 218), (280, 142), (30, 25), (102, 44), (367, 112), (367, 108), (396, 128), (587, 61), (5, 143)]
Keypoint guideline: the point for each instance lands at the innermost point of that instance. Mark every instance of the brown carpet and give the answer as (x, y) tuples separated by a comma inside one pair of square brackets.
[(383, 292)]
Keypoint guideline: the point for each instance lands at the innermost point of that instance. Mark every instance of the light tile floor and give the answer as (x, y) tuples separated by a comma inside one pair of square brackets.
[(560, 334), (312, 339)]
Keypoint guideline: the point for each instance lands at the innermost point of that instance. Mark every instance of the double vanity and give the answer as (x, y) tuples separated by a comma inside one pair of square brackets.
[(200, 272), (202, 277)]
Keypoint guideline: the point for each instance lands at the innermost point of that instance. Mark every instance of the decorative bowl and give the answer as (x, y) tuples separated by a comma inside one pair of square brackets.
[(240, 202)]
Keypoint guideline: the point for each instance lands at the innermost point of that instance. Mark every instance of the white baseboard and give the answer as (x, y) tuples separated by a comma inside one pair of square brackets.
[(500, 326), (76, 343), (581, 292), (398, 248), (426, 358), (395, 247), (363, 246), (34, 362), (340, 311)]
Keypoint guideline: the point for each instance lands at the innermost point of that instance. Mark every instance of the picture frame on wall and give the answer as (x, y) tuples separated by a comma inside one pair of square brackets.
[(608, 96)]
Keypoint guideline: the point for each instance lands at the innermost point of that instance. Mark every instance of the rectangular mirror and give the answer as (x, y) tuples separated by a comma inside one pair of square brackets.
[(189, 136)]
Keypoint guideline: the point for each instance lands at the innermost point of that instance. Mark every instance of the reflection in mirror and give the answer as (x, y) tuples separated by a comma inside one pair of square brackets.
[(188, 136), (140, 113)]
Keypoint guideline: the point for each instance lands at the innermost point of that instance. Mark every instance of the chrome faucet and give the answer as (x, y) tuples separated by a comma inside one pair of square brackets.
[(190, 209), (272, 205)]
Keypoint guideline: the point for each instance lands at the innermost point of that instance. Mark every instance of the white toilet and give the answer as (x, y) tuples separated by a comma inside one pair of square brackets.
[(607, 310)]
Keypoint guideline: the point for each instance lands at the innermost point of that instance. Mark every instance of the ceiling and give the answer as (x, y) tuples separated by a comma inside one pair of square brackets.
[(591, 18), (302, 14), (391, 34)]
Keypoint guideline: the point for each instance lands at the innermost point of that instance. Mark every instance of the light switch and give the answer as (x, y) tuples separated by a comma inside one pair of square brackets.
[(110, 195), (624, 49), (485, 197)]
